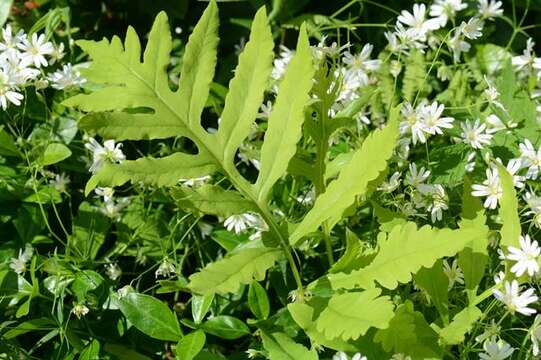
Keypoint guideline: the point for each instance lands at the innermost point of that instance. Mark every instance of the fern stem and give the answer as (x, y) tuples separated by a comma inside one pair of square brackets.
[(244, 187), (321, 153)]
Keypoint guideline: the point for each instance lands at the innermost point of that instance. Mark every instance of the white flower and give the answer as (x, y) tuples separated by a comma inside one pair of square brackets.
[(494, 124), (432, 120), (453, 272), (113, 271), (281, 62), (400, 356), (392, 184), (474, 134), (395, 68), (195, 182), (57, 54), (109, 152), (8, 94), (413, 123), (361, 64), (105, 192), (414, 177), (308, 197), (535, 335), (526, 60), (350, 84), (34, 51), (66, 78), (11, 42), (489, 9), (525, 257), (417, 21), (358, 356), (18, 264), (60, 182), (472, 29), (491, 188), (496, 350), (500, 276), (533, 202), (457, 45), (436, 200), (530, 158), (266, 109), (514, 300), (165, 269), (80, 310), (446, 9), (242, 222), (513, 166), (112, 208), (340, 356)]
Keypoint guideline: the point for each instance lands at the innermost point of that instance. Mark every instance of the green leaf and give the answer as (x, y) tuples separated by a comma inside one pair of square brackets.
[(190, 345), (511, 230), (303, 315), (474, 258), (55, 153), (408, 333), (166, 171), (351, 315), (129, 85), (211, 199), (200, 306), (198, 66), (282, 347), (519, 108), (41, 324), (350, 256), (462, 323), (405, 250), (226, 327), (227, 275), (91, 351), (150, 315), (285, 121), (258, 301), (5, 9), (434, 281), (85, 281), (7, 144), (340, 194), (247, 87)]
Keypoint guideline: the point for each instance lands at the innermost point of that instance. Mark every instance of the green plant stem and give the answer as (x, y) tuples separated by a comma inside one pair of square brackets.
[(320, 169), (245, 188), (202, 139)]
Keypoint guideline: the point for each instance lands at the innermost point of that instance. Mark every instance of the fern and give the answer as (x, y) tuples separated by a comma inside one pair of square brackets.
[(282, 347), (511, 230), (351, 315), (128, 85), (414, 77), (340, 194), (227, 275), (404, 252), (409, 333), (462, 323)]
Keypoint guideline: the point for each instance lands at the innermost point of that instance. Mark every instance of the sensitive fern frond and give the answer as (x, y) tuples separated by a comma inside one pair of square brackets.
[(135, 102), (404, 252), (366, 165), (227, 275), (351, 315)]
